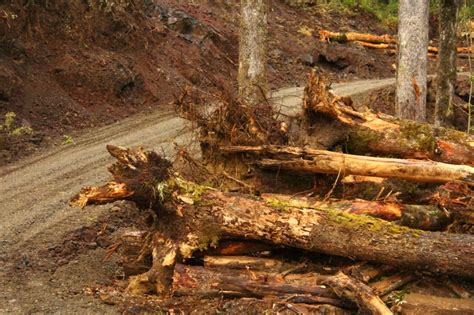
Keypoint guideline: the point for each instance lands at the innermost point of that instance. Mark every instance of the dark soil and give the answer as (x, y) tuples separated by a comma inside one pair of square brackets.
[(70, 66)]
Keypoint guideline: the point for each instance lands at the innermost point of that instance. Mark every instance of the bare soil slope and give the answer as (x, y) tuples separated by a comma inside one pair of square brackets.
[(68, 65)]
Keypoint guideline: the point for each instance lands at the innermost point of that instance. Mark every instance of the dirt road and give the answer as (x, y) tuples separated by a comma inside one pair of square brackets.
[(35, 214)]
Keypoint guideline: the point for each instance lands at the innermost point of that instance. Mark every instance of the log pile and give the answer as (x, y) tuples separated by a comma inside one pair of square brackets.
[(386, 42), (306, 254)]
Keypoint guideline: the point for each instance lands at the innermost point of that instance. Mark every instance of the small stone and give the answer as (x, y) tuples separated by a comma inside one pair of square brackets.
[(91, 245), (307, 60)]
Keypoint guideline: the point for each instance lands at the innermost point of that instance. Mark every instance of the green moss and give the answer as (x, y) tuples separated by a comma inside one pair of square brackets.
[(421, 134), (279, 204), (191, 189), (355, 221), (451, 135), (360, 140), (352, 221), (210, 236)]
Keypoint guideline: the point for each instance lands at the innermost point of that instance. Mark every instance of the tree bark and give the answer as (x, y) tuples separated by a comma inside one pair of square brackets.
[(252, 51), (412, 59), (384, 135), (358, 292), (446, 72), (322, 161)]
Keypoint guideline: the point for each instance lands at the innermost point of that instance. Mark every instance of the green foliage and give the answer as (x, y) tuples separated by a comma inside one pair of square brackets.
[(386, 13), (8, 126), (68, 140), (398, 297)]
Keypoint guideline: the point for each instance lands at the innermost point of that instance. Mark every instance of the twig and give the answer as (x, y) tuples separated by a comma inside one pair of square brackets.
[(328, 195), (238, 181)]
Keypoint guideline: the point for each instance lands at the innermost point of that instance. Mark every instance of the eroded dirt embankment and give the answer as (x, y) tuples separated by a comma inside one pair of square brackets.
[(72, 65)]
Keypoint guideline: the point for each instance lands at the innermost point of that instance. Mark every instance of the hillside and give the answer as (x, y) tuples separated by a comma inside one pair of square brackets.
[(69, 66)]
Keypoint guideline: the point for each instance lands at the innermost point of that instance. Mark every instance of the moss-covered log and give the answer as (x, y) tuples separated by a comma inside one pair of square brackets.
[(387, 136), (423, 217), (331, 232)]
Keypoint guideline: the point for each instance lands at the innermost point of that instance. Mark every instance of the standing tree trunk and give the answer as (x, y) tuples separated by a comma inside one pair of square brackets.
[(412, 59), (252, 51), (446, 74)]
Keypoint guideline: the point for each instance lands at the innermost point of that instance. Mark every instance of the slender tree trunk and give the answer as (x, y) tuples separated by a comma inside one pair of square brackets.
[(412, 59), (252, 51), (446, 75)]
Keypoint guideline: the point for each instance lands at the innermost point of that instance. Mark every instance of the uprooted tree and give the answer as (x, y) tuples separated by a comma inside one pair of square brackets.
[(190, 217)]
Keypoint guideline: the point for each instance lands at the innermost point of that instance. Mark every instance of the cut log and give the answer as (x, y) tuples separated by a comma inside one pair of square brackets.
[(375, 46), (420, 304), (210, 283), (328, 162), (423, 217), (358, 292), (369, 133), (325, 35), (375, 41)]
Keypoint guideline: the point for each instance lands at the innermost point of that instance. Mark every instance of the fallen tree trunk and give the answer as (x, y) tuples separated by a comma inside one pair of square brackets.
[(335, 233), (369, 133), (204, 215), (322, 161), (325, 35)]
